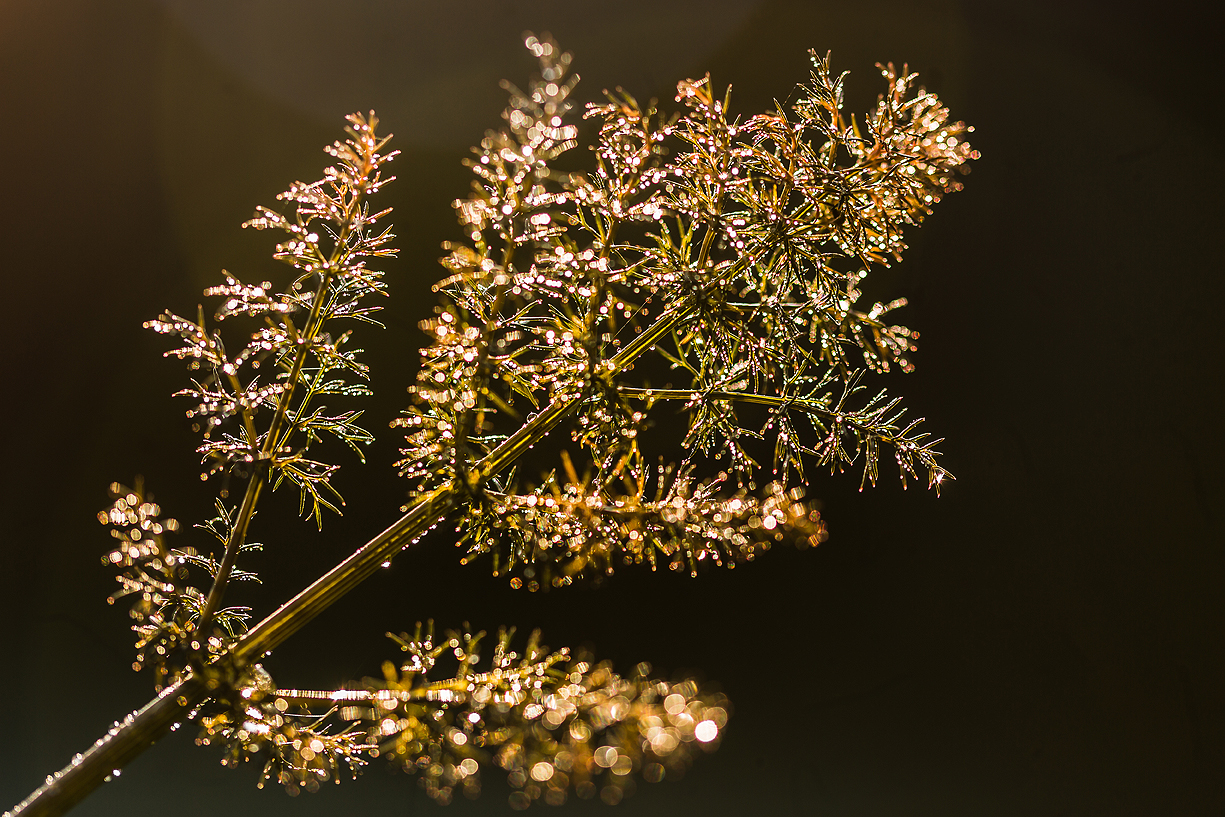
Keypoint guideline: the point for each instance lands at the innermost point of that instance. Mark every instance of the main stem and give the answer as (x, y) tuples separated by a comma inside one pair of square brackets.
[(141, 729)]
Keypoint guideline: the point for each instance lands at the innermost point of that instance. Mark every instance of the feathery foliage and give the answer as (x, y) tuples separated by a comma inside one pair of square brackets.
[(261, 429), (708, 266)]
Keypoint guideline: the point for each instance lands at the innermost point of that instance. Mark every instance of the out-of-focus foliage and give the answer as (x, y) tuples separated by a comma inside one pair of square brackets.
[(564, 531), (556, 723)]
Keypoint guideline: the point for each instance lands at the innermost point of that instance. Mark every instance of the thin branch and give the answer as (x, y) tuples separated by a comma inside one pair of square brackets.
[(272, 440)]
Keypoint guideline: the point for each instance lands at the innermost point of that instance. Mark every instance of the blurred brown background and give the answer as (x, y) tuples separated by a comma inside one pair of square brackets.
[(1043, 639)]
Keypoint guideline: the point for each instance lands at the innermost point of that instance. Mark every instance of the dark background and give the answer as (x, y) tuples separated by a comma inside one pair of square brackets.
[(1043, 639)]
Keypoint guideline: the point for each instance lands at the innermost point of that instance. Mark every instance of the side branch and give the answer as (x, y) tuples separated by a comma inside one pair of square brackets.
[(271, 445), (693, 395), (801, 404)]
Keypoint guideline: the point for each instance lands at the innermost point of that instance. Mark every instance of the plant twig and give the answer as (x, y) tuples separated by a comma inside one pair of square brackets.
[(272, 441)]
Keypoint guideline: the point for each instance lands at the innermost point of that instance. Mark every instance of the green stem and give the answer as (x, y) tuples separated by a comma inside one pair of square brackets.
[(480, 380), (812, 407), (255, 483)]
